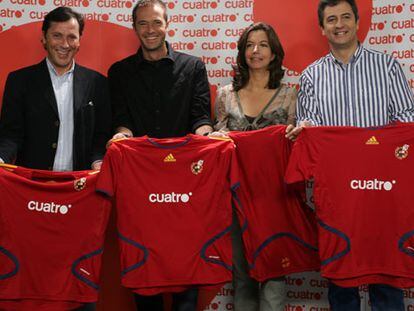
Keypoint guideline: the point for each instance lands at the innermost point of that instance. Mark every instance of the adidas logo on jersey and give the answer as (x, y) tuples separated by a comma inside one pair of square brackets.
[(374, 184), (169, 197), (48, 207), (169, 158), (372, 141)]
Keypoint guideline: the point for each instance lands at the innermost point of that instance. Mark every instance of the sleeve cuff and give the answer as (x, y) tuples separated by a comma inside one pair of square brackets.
[(201, 123)]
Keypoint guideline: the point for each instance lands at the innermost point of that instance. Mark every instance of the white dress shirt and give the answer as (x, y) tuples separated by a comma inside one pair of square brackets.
[(63, 89)]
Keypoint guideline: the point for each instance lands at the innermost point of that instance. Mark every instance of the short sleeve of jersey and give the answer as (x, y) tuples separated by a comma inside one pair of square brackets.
[(229, 153), (303, 159), (110, 171)]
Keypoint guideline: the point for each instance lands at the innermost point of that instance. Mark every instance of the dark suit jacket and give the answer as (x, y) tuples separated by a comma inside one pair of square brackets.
[(29, 123)]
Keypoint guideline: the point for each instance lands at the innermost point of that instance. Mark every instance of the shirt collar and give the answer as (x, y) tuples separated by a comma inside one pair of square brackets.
[(354, 58), (52, 69), (170, 57)]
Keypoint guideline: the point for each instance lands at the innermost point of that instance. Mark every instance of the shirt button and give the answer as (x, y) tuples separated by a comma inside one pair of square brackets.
[(54, 145), (57, 123)]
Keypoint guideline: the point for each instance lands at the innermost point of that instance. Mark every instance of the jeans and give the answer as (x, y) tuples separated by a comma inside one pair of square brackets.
[(87, 307), (184, 301), (383, 298), (249, 294)]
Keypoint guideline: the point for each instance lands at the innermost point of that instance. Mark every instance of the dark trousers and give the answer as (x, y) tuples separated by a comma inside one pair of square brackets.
[(87, 307), (382, 297), (184, 301)]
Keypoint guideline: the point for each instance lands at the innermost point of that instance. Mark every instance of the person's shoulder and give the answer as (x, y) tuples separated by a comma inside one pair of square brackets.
[(225, 95), (27, 71), (316, 64), (381, 60), (182, 55), (126, 61), (369, 51), (226, 89), (287, 89), (378, 55), (185, 58), (123, 64), (88, 72)]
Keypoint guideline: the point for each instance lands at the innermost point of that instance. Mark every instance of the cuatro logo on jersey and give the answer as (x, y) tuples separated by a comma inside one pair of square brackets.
[(170, 197), (49, 207), (372, 184)]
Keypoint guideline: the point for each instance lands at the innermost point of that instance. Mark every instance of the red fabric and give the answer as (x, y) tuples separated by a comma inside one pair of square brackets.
[(281, 234), (40, 246), (162, 243), (364, 198)]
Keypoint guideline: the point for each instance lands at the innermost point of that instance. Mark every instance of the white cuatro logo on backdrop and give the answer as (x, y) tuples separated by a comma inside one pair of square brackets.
[(372, 184), (48, 207), (169, 197)]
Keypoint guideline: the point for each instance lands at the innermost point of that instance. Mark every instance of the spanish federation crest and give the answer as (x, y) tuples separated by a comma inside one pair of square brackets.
[(402, 152), (197, 167), (80, 184)]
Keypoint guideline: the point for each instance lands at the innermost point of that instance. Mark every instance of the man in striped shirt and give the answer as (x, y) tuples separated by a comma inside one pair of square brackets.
[(352, 86)]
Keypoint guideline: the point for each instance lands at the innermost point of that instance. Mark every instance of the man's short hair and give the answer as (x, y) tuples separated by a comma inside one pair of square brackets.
[(324, 3), (143, 3), (62, 14)]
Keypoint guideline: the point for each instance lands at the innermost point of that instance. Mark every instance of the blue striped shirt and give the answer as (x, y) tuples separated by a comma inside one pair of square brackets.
[(371, 90)]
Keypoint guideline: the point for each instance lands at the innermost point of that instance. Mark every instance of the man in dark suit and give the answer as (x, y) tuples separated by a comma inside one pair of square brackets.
[(56, 114)]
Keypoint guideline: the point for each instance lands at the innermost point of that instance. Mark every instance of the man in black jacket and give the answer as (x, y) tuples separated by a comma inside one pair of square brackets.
[(157, 91), (160, 93), (56, 114)]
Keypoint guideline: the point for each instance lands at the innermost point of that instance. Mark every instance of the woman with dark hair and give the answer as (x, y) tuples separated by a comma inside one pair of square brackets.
[(255, 99)]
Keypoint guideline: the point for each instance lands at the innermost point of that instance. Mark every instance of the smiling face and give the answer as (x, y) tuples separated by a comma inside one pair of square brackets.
[(151, 27), (340, 27), (62, 42), (258, 53)]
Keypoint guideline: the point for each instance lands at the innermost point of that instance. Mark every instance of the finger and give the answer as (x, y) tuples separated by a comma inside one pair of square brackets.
[(292, 135), (289, 128)]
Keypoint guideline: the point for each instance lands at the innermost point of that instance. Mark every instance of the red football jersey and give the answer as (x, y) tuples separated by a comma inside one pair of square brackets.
[(173, 199), (363, 181), (280, 235), (51, 236)]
